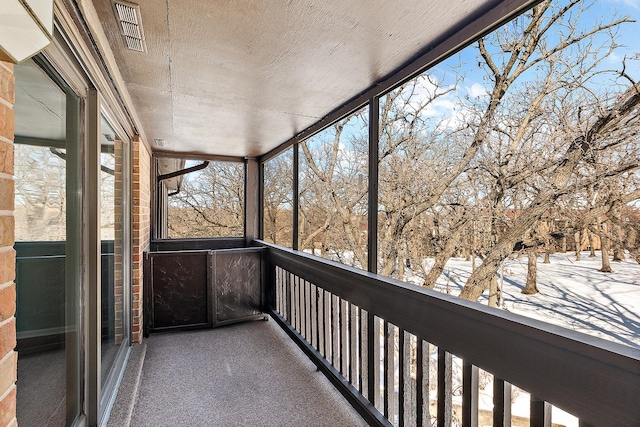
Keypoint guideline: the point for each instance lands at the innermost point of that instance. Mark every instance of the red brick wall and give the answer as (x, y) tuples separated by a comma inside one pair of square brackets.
[(141, 228), (8, 357)]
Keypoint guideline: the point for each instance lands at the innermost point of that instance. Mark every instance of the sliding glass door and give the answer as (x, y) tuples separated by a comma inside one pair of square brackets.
[(48, 247), (73, 250)]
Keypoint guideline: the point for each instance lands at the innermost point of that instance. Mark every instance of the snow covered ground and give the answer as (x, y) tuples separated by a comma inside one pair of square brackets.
[(573, 294)]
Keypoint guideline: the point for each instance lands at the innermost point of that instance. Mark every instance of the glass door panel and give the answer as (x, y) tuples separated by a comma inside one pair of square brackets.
[(47, 211)]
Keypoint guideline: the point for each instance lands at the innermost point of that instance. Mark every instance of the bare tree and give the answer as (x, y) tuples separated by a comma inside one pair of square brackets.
[(278, 199), (209, 203)]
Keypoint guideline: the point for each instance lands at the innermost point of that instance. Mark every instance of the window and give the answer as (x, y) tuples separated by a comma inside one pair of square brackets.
[(334, 191), (278, 200), (204, 203)]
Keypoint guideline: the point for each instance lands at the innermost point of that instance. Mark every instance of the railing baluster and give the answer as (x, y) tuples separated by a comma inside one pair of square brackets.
[(385, 372), (288, 297), (327, 326), (353, 346), (276, 275), (307, 307), (295, 301), (320, 299), (501, 403), (316, 302), (469, 395), (540, 412), (403, 364), (313, 321), (300, 304), (410, 380), (305, 312), (421, 369), (344, 338), (309, 313), (393, 362), (335, 331), (283, 293), (363, 370), (444, 388), (371, 359), (375, 345), (420, 420)]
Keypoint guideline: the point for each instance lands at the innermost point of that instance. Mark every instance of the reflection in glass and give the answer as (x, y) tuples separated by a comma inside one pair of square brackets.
[(47, 248), (113, 330)]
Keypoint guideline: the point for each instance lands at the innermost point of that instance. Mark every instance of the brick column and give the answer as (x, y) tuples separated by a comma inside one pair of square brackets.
[(8, 357), (141, 229)]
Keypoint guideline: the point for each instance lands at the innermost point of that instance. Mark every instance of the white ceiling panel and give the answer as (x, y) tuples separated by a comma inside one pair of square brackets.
[(240, 77)]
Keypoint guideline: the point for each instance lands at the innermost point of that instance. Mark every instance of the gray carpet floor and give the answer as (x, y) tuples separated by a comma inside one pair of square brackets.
[(249, 374), (41, 389)]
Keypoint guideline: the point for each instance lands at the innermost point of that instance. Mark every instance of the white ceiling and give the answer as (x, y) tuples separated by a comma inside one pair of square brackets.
[(240, 77)]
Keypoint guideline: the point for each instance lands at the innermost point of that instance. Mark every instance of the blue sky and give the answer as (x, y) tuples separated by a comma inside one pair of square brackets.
[(472, 85)]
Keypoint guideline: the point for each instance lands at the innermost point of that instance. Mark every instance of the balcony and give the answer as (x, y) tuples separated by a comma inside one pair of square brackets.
[(399, 354), (246, 374)]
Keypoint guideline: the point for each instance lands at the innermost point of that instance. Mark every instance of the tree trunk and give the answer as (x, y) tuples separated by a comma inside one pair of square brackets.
[(592, 248), (546, 257), (440, 262), (564, 244), (578, 239), (604, 247), (575, 152), (494, 292), (618, 254), (531, 286), (401, 265)]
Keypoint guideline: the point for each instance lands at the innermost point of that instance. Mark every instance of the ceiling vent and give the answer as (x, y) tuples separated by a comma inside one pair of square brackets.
[(128, 15)]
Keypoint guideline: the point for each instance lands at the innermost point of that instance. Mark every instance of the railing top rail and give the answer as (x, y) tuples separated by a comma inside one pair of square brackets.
[(595, 379), (205, 251)]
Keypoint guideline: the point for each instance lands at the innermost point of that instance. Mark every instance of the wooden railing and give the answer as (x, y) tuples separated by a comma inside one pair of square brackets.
[(377, 340)]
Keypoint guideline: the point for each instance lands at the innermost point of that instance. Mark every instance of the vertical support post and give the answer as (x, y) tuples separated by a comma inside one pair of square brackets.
[(252, 198), (260, 200), (372, 227), (296, 197)]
